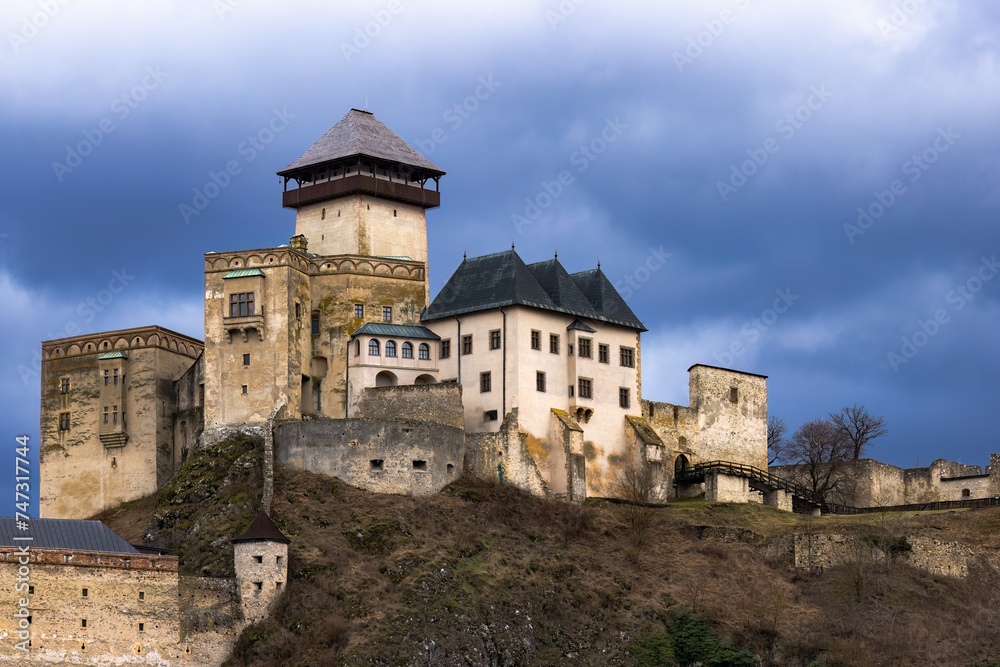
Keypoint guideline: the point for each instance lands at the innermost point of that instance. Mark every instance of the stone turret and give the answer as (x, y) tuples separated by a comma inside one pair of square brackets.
[(261, 558)]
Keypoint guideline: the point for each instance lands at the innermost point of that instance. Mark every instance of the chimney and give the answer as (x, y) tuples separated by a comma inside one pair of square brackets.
[(299, 242)]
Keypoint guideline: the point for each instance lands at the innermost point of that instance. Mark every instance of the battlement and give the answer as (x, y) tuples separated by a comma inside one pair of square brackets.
[(123, 339)]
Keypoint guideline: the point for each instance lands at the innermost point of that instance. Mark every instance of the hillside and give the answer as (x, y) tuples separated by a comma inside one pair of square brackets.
[(486, 575)]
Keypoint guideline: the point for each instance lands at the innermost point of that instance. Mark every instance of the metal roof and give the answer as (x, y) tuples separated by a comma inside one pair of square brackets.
[(361, 134), (113, 355), (243, 273), (261, 529), (396, 331), (580, 326), (503, 279), (70, 534)]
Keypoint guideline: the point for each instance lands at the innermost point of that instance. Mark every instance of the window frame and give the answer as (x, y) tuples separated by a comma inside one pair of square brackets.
[(485, 382), (424, 352), (467, 344), (359, 311), (241, 304), (540, 381), (495, 340), (387, 313), (585, 388), (389, 349), (624, 397), (626, 354), (64, 421), (536, 339), (583, 347), (603, 353), (374, 348), (554, 343), (406, 350), (445, 351)]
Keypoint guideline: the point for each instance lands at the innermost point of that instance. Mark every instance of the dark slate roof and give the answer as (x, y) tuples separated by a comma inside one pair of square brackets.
[(361, 134), (605, 299), (560, 287), (580, 326), (261, 529), (395, 330), (69, 534), (502, 279)]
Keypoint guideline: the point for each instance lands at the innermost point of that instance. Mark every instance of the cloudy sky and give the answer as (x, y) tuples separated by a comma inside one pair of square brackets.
[(803, 190)]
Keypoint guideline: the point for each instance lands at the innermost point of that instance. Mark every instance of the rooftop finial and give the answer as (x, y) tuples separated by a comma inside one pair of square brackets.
[(366, 103), (557, 254), (598, 263), (511, 245), (465, 255)]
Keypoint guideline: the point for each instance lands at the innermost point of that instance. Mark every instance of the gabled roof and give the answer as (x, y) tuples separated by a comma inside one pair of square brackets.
[(395, 330), (580, 326), (503, 279), (261, 529), (490, 281), (361, 134), (605, 299), (69, 534), (560, 287)]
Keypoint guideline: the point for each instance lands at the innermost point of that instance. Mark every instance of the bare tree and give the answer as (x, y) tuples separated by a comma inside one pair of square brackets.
[(776, 430), (638, 487), (859, 426), (823, 451)]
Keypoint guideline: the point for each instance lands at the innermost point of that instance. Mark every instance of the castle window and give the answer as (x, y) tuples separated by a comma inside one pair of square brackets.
[(446, 349), (583, 347), (84, 590), (357, 347), (142, 627), (142, 595), (314, 323), (245, 389), (106, 409), (734, 395), (322, 214), (553, 343), (116, 377), (623, 397), (966, 493), (394, 213), (540, 381), (298, 310), (390, 348), (586, 388), (31, 590), (387, 313), (485, 382), (359, 310), (241, 305), (451, 468), (277, 559), (114, 415), (107, 378), (420, 466), (407, 350), (495, 339), (467, 344), (246, 359), (375, 465), (83, 623), (64, 386), (536, 340), (259, 559), (490, 416), (424, 351), (277, 584), (63, 421), (373, 348), (626, 355), (571, 391), (258, 585), (569, 350)]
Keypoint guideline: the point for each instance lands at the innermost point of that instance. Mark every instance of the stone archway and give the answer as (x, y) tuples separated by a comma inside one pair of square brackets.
[(386, 379)]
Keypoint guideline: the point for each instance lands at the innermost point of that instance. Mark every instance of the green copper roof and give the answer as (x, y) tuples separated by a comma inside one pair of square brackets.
[(396, 330), (113, 355), (243, 273)]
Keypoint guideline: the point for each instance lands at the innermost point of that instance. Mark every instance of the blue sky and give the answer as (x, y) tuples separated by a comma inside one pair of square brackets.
[(803, 190)]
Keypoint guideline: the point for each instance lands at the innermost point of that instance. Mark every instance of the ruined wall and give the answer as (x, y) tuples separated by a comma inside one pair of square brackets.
[(932, 555), (503, 456), (379, 455), (732, 415), (439, 403), (189, 418)]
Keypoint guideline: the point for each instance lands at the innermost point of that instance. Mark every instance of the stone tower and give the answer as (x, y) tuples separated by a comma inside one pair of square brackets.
[(360, 190), (278, 320), (261, 559)]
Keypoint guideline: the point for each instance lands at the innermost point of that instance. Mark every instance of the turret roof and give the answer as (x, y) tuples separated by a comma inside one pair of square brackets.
[(361, 134), (261, 529)]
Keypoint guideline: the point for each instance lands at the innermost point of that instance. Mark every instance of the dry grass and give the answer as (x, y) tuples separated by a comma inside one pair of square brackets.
[(485, 574)]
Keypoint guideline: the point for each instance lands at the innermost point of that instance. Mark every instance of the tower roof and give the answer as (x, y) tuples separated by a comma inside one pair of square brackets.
[(261, 529), (503, 279), (361, 134), (64, 534)]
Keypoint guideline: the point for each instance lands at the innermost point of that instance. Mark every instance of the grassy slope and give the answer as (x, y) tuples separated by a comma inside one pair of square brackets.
[(487, 575)]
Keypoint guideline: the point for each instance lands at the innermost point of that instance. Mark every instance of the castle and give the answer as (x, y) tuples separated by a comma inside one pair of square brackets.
[(330, 348)]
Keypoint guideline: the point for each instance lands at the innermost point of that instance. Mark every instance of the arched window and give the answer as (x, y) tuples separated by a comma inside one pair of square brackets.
[(966, 493), (390, 348), (425, 351), (373, 348), (407, 350)]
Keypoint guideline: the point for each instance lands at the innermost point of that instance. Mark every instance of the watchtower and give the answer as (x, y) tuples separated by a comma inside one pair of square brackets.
[(261, 559)]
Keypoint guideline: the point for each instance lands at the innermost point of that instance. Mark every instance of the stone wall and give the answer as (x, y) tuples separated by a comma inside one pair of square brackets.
[(261, 575), (383, 456), (503, 456), (439, 403), (732, 415), (932, 555)]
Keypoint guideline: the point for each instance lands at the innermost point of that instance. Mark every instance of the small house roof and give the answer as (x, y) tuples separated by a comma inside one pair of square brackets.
[(261, 529), (71, 534), (395, 330)]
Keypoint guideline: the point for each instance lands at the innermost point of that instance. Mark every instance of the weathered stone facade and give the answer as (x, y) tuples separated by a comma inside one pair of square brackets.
[(398, 456), (108, 410)]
